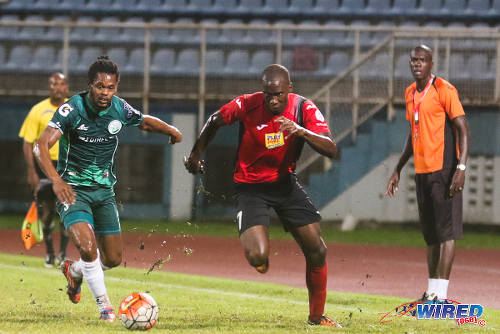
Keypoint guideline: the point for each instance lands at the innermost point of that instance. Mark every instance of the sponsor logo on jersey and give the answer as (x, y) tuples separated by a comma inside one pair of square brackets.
[(83, 127), (319, 116), (65, 109), (238, 102), (260, 127), (94, 140), (114, 126), (274, 140), (130, 110)]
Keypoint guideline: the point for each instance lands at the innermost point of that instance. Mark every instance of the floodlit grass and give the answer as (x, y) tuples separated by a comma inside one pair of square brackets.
[(391, 236), (34, 301)]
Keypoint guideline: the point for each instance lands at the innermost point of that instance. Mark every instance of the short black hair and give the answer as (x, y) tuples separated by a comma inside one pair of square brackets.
[(103, 65)]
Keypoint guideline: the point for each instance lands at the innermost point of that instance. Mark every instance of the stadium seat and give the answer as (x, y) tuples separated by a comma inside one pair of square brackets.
[(478, 7), (6, 31), (352, 6), (275, 6), (19, 57), (287, 59), (199, 6), (118, 55), (429, 6), (404, 7), (287, 36), (335, 37), (378, 6), (310, 37), (188, 62), (101, 4), (495, 7), (212, 35), (74, 5), (402, 69), (237, 63), (301, 6), (133, 35), (224, 6), (73, 58), (160, 35), (108, 33), (233, 36), (135, 61), (185, 35), (454, 7), (33, 32), (44, 59), (379, 67), (163, 61), (56, 33), (260, 59), (46, 4), (260, 37), (3, 61), (89, 55), (457, 67), (376, 37), (150, 5), (173, 6), (336, 63), (249, 6), (120, 5), (83, 33), (477, 67), (364, 36), (326, 7), (19, 4), (214, 62)]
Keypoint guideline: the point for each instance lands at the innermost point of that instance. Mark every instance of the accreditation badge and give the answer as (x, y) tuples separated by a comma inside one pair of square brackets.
[(274, 139)]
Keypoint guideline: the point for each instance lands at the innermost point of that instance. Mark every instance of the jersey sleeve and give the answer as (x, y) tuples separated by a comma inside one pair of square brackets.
[(29, 128), (64, 117), (408, 103), (313, 118), (130, 115), (234, 110), (448, 96)]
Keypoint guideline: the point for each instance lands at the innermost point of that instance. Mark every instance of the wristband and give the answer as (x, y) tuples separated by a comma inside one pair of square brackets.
[(461, 166)]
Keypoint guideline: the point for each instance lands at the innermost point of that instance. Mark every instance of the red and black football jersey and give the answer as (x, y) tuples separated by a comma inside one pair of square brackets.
[(264, 154)]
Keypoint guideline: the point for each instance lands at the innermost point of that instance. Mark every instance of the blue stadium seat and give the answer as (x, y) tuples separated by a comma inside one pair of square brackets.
[(249, 6), (335, 37), (120, 4), (200, 6), (364, 36), (57, 33), (133, 35), (336, 63), (149, 5), (457, 67), (108, 33), (301, 6), (429, 6), (237, 63), (135, 61), (454, 7), (224, 6), (376, 68), (33, 32), (76, 5), (214, 62), (233, 36), (212, 35), (402, 7), (163, 61), (275, 6), (310, 37), (160, 35), (73, 58), (103, 4), (326, 6), (88, 56), (84, 33), (287, 59), (287, 36), (403, 67), (44, 59), (478, 7), (352, 6), (118, 55), (261, 59), (3, 61), (19, 57), (260, 36), (477, 67), (378, 6), (495, 7), (172, 6), (185, 35), (9, 32), (46, 4), (19, 4), (188, 62), (379, 36)]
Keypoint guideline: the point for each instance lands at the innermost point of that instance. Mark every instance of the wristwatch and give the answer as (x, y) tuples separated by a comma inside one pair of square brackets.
[(461, 166)]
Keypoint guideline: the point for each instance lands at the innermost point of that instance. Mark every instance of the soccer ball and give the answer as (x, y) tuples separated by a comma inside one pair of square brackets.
[(138, 311)]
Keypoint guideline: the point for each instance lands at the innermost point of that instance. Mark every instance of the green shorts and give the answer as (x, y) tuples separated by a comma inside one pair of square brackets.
[(95, 206)]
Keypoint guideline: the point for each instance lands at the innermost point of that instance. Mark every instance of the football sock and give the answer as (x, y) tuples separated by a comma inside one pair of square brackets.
[(76, 269), (93, 274), (316, 278), (442, 288), (432, 288), (103, 266)]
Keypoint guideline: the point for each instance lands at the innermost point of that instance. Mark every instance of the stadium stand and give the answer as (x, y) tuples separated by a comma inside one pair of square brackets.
[(163, 61)]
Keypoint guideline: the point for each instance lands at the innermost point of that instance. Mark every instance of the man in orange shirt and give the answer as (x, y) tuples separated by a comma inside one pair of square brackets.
[(437, 125)]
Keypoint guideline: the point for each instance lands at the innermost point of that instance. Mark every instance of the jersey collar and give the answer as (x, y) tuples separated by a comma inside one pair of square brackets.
[(92, 109)]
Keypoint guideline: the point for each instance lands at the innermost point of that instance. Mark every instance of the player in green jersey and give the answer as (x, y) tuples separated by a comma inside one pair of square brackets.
[(87, 126)]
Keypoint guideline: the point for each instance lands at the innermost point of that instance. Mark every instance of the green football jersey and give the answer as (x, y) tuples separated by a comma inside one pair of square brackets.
[(89, 140)]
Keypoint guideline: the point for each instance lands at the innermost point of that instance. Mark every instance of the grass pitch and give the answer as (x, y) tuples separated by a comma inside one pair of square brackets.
[(34, 301)]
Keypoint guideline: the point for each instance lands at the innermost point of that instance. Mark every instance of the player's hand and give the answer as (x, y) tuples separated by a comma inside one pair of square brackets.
[(194, 166), (290, 126), (457, 183), (175, 135), (33, 180), (392, 185), (64, 192)]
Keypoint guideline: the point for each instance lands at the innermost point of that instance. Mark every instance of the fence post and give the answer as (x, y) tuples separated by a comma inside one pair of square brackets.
[(202, 79), (65, 55), (390, 84), (147, 69), (355, 88)]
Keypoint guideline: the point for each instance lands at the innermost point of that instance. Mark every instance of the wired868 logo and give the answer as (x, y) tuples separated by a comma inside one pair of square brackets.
[(438, 310)]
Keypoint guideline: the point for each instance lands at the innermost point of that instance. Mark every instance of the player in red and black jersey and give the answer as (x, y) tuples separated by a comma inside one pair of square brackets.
[(274, 125)]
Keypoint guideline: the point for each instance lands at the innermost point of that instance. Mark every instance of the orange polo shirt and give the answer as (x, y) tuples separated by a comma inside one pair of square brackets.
[(435, 144)]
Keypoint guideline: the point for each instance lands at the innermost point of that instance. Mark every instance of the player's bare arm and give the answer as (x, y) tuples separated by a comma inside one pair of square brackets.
[(33, 178), (323, 143), (193, 163), (154, 124), (458, 181), (392, 185), (49, 137)]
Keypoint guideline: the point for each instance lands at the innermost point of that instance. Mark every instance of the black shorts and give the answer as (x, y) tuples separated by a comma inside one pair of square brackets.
[(287, 198), (440, 214), (44, 191)]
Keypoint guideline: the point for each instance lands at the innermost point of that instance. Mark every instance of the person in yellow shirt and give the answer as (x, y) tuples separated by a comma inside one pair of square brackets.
[(33, 126)]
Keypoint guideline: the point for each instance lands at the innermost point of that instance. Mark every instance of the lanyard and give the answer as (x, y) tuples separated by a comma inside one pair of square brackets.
[(416, 105)]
